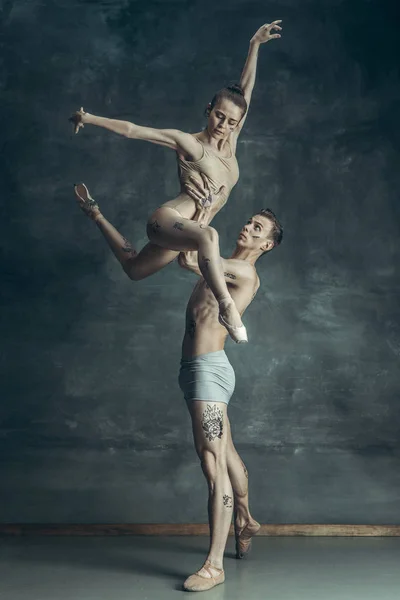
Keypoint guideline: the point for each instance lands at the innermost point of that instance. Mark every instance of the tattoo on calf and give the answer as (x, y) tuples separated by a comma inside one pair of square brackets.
[(178, 225), (212, 422), (191, 328), (230, 275), (227, 500)]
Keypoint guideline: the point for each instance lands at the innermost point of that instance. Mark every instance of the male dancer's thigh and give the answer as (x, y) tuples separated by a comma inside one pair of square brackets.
[(152, 258), (167, 228), (209, 423)]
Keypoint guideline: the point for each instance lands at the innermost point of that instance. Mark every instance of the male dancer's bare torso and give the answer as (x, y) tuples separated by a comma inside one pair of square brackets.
[(203, 332)]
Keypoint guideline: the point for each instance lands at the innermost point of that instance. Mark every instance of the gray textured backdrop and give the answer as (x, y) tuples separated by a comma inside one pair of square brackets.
[(93, 426)]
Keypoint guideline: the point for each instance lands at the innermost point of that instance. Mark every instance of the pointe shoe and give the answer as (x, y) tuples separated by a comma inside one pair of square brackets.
[(200, 583), (243, 538), (238, 334), (85, 201)]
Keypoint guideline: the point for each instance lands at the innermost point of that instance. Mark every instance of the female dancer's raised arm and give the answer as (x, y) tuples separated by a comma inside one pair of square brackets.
[(248, 77)]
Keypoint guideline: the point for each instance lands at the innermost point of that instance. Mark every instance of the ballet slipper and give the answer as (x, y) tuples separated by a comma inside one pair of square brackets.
[(201, 583), (238, 334), (85, 201), (243, 538)]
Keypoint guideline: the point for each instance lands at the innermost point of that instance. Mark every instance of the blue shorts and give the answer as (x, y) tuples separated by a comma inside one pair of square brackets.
[(209, 377)]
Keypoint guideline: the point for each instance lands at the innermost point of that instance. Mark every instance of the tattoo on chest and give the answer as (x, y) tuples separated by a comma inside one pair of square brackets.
[(227, 500), (178, 225), (212, 422), (154, 226), (191, 328), (230, 275)]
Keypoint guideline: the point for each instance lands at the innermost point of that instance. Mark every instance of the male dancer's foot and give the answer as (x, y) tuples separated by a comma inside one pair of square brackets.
[(206, 578), (245, 529), (86, 202)]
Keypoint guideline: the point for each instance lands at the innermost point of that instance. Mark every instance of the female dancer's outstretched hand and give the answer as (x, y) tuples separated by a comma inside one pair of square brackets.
[(264, 34), (200, 192), (77, 119)]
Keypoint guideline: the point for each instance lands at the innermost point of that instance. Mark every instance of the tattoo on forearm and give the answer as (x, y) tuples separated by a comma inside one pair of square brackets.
[(178, 225), (245, 470), (191, 328), (227, 500), (212, 422), (154, 226), (230, 275)]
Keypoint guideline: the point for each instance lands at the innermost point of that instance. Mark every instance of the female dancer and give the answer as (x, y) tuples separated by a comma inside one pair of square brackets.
[(210, 153)]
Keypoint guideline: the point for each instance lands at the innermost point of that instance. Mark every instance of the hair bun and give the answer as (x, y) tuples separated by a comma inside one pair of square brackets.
[(236, 89)]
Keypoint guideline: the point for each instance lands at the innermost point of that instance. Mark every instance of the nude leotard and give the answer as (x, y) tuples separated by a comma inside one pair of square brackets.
[(218, 170)]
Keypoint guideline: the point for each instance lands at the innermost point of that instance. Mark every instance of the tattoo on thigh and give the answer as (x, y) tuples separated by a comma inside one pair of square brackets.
[(191, 328), (206, 262), (230, 275), (212, 422), (227, 500), (155, 226), (178, 225)]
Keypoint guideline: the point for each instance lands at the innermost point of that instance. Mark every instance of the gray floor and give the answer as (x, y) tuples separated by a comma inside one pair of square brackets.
[(153, 568)]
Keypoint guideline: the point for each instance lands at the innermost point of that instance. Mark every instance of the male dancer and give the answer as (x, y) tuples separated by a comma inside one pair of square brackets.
[(207, 380), (206, 377)]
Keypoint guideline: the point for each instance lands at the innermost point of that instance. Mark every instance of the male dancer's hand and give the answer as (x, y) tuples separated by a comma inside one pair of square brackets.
[(200, 192)]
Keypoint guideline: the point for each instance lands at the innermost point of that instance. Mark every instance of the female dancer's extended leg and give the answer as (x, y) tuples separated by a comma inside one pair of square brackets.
[(149, 260), (169, 233)]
